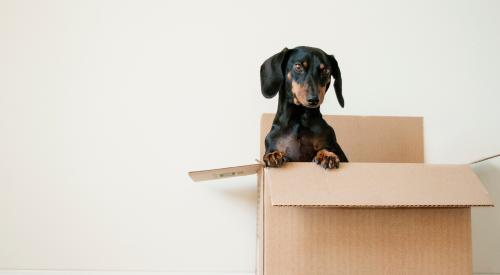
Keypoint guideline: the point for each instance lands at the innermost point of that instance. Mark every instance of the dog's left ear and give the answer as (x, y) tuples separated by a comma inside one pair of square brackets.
[(337, 84), (271, 74)]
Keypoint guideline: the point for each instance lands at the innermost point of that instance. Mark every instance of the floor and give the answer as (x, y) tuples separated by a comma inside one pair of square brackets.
[(66, 272)]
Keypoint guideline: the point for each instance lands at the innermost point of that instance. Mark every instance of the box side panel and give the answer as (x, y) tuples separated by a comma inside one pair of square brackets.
[(265, 124), (368, 241), (260, 224)]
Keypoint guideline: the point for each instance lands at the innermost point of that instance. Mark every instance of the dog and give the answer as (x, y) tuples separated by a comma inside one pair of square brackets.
[(302, 76)]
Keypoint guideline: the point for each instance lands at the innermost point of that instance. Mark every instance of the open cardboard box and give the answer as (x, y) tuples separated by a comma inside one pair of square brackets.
[(384, 212)]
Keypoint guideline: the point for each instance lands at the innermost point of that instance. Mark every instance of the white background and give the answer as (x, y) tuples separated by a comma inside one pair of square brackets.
[(105, 106)]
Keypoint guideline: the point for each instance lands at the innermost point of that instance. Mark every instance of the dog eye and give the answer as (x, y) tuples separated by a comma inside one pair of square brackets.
[(298, 67), (325, 72)]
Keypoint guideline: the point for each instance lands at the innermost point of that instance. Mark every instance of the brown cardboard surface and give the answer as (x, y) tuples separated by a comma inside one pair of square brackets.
[(260, 223), (376, 185), (227, 172), (326, 241)]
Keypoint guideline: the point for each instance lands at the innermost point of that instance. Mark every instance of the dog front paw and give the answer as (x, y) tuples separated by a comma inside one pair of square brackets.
[(327, 159), (275, 159)]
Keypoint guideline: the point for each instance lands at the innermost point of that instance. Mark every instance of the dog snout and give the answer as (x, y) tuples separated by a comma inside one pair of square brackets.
[(313, 100)]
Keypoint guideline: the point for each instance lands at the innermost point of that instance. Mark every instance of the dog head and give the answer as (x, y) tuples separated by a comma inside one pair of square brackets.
[(304, 73)]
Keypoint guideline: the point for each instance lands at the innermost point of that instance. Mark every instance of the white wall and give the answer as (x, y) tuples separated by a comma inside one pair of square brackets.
[(105, 105)]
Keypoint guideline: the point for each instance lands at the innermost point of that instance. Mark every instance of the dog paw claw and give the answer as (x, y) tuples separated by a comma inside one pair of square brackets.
[(274, 159), (327, 159)]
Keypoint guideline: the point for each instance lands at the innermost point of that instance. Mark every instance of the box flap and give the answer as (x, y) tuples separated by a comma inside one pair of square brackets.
[(376, 185), (226, 172)]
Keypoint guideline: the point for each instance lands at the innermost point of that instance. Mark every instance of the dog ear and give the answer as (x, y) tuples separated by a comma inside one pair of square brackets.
[(337, 84), (271, 74)]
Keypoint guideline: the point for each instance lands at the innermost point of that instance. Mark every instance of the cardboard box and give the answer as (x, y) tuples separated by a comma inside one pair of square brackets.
[(384, 212)]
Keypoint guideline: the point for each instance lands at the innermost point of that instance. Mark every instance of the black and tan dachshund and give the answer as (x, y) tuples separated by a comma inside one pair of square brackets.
[(299, 132)]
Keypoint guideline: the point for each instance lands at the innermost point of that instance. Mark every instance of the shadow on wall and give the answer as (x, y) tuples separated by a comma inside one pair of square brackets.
[(486, 221), (241, 191)]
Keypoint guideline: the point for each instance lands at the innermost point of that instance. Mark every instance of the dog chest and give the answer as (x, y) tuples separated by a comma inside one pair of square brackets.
[(296, 148), (299, 144)]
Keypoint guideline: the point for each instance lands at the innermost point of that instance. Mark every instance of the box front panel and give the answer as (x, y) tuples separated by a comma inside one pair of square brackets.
[(367, 241)]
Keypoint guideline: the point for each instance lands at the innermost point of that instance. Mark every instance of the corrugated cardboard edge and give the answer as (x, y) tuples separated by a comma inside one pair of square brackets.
[(485, 158), (387, 206), (222, 173)]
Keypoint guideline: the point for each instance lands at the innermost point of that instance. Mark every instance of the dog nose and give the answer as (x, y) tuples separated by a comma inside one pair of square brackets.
[(313, 100)]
